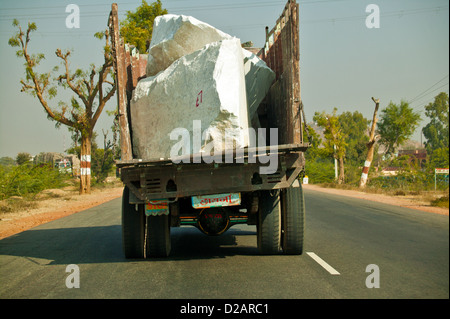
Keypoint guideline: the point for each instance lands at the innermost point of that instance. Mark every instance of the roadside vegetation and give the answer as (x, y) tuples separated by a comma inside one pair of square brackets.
[(91, 89), (27, 180), (24, 184), (338, 151), (19, 184)]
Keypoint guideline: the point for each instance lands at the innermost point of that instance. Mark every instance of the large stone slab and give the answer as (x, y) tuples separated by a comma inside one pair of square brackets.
[(258, 80), (175, 36), (207, 85)]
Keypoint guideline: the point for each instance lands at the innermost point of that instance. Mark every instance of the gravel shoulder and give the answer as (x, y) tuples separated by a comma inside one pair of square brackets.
[(55, 204)]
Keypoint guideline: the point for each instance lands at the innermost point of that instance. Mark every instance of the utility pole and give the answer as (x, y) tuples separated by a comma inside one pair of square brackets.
[(370, 146)]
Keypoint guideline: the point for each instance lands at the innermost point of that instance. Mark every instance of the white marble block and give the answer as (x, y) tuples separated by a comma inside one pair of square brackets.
[(175, 36), (207, 85), (258, 80)]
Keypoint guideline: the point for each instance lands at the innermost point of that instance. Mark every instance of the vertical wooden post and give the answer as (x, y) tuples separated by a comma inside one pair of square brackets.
[(295, 56), (435, 183), (370, 146), (121, 77)]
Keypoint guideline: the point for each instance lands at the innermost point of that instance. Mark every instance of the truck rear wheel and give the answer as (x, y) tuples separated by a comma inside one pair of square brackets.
[(269, 223), (157, 243), (293, 217), (132, 227)]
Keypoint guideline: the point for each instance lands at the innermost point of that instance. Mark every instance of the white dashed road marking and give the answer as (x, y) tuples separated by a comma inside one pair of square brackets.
[(321, 262)]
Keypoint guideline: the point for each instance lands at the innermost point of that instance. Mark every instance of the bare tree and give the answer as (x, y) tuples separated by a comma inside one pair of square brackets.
[(90, 95)]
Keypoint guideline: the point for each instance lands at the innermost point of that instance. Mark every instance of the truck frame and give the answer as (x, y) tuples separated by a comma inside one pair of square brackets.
[(160, 194)]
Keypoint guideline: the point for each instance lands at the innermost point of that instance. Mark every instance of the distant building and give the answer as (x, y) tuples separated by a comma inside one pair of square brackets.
[(417, 157), (390, 171)]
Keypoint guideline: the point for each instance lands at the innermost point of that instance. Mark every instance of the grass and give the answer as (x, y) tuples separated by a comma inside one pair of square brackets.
[(15, 204), (441, 202)]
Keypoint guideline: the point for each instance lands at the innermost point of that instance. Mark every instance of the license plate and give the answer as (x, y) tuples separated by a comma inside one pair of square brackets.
[(218, 200), (157, 208)]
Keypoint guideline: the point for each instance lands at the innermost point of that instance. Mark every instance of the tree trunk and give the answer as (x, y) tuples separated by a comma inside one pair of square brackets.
[(371, 147), (85, 165), (367, 163), (341, 171)]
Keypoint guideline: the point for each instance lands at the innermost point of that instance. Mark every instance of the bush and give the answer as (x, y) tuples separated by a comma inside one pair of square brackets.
[(352, 174), (320, 171), (28, 180), (413, 181), (441, 202)]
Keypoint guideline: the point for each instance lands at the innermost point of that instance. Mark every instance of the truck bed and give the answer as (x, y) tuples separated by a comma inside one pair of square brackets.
[(158, 178), (161, 178), (238, 156)]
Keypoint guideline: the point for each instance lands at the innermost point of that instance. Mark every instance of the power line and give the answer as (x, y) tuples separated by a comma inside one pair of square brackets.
[(63, 7), (399, 14), (423, 105), (137, 3), (424, 93), (208, 7), (391, 14)]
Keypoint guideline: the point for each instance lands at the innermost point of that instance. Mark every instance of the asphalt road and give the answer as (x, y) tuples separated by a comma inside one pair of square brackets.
[(410, 249)]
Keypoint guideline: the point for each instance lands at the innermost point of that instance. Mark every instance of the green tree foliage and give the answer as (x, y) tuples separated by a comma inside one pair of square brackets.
[(315, 141), (439, 158), (7, 161), (436, 131), (396, 125), (115, 128), (348, 130), (335, 143), (355, 127), (137, 27), (320, 171), (102, 163), (23, 158)]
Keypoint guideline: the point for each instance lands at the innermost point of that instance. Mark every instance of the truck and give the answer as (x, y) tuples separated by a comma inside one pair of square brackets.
[(67, 164), (160, 194)]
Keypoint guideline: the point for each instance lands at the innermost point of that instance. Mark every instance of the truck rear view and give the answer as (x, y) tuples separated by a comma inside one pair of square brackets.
[(236, 163)]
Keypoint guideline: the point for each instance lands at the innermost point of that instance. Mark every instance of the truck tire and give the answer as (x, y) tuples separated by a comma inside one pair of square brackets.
[(269, 223), (157, 243), (293, 217), (132, 227)]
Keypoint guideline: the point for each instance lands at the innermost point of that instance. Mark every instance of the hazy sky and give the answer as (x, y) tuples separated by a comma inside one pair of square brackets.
[(343, 63)]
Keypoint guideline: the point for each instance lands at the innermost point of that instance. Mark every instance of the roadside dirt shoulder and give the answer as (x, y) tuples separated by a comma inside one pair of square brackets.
[(409, 201), (62, 204)]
